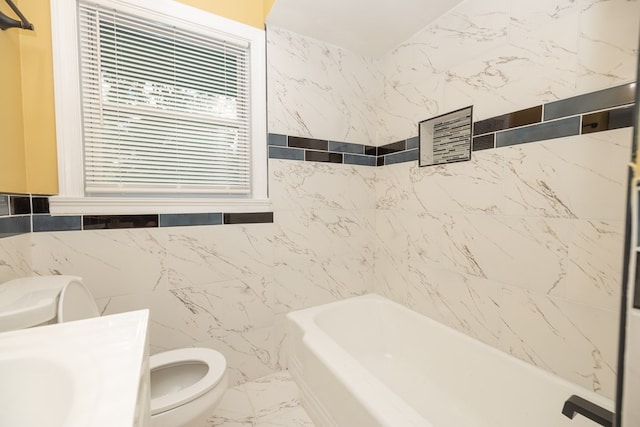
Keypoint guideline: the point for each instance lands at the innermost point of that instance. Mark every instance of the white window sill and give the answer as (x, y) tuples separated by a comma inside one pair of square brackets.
[(59, 205)]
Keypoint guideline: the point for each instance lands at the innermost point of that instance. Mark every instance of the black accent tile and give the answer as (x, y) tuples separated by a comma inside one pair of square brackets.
[(20, 205), (510, 120), (392, 148), (401, 157), (539, 132), (182, 220), (600, 100), (248, 218), (4, 205), (286, 153), (322, 156), (101, 222), (380, 161), (608, 120), (352, 159), (312, 144), (346, 147), (413, 143), (13, 225), (370, 150), (56, 223), (40, 204), (484, 142), (277, 139)]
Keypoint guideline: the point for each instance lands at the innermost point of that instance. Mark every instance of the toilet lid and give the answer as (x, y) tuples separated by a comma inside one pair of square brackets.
[(215, 361)]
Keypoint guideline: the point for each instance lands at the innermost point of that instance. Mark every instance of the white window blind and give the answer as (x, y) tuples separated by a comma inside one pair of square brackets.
[(165, 110)]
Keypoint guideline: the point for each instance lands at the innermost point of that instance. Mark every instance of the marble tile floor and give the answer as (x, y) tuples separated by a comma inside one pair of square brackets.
[(271, 401)]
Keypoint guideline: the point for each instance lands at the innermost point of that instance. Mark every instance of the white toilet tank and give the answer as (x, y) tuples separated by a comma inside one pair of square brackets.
[(40, 300)]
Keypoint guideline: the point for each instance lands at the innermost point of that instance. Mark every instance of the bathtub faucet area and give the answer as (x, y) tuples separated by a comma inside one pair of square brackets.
[(576, 404)]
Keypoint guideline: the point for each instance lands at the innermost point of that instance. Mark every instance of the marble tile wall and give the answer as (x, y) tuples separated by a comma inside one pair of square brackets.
[(317, 90), (226, 286), (520, 247), (505, 55)]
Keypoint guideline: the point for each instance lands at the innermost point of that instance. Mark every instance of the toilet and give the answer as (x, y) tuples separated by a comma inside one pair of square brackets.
[(186, 384)]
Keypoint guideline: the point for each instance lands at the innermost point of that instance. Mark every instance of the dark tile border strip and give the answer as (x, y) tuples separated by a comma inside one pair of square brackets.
[(248, 218), (41, 221), (599, 100), (320, 150), (598, 111), (584, 114)]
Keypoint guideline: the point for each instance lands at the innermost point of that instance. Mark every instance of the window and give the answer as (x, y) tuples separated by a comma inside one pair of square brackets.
[(159, 110)]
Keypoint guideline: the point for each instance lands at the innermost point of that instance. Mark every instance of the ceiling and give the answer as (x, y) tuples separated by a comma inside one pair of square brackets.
[(369, 27)]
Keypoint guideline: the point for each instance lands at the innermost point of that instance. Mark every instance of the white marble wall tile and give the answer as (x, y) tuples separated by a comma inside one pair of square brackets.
[(598, 173), (394, 189), (392, 254), (510, 78), (576, 342), (111, 262), (178, 318), (575, 177), (539, 181), (321, 233), (15, 257), (594, 276), (464, 32), (318, 90), (476, 186), (528, 16), (302, 282), (314, 185), (322, 256), (608, 43), (203, 255), (412, 91), (467, 303), (526, 252)]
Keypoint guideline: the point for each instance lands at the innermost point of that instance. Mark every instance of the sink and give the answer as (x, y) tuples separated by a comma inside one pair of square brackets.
[(86, 373), (47, 386)]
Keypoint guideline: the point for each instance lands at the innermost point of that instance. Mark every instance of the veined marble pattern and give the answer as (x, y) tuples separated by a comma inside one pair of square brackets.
[(318, 90), (515, 248), (574, 341), (228, 286), (315, 185), (607, 54), (15, 257), (271, 401), (506, 55), (567, 177)]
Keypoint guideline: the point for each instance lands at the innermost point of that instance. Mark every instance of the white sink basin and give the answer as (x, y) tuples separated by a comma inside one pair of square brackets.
[(85, 373), (47, 386)]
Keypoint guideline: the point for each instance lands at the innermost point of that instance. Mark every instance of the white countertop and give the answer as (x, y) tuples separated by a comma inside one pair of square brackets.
[(85, 373)]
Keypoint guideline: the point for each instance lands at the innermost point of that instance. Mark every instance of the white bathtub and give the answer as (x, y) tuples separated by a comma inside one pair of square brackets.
[(368, 361)]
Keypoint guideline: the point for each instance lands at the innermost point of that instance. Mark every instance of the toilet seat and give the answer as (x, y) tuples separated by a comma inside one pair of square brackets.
[(215, 361)]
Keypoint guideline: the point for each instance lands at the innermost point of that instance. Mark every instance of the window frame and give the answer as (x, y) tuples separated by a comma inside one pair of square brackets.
[(68, 110)]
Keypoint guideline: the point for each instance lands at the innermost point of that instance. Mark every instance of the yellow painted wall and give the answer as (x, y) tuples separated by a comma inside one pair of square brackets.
[(12, 162), (250, 12), (37, 99), (28, 161)]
